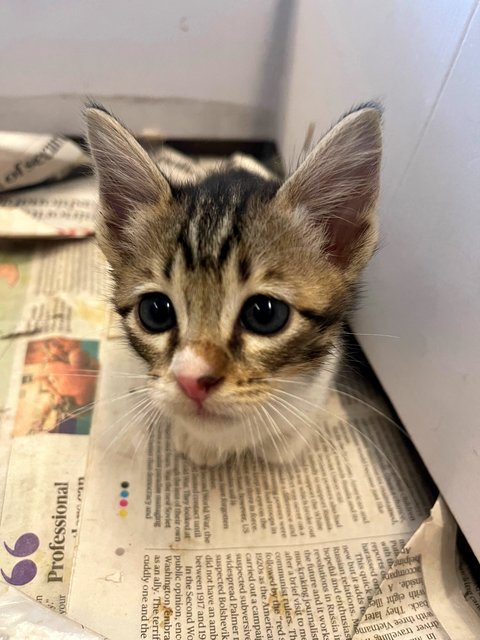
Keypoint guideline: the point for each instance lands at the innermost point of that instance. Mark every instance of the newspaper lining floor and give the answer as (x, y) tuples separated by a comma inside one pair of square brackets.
[(133, 541)]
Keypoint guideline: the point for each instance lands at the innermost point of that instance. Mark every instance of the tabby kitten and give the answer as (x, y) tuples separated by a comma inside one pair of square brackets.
[(233, 285)]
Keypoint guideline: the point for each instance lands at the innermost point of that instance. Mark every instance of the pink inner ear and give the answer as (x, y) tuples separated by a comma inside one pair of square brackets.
[(337, 188), (118, 212), (347, 227), (345, 236)]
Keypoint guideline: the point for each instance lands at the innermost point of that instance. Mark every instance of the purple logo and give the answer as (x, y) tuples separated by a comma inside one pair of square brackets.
[(24, 571), (25, 545)]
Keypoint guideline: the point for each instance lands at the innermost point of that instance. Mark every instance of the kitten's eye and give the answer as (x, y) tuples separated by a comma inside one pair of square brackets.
[(156, 312), (264, 315)]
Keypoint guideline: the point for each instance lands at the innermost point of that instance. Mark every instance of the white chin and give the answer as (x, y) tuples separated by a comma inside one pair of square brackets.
[(209, 414)]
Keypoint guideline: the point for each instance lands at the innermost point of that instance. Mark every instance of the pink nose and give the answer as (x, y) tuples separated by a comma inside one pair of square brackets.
[(197, 388)]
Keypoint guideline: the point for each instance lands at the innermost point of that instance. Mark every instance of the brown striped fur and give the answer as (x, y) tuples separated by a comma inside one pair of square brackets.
[(210, 240)]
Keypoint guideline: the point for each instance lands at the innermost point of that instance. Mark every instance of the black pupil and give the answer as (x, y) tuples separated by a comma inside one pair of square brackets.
[(262, 310), (264, 315), (156, 312)]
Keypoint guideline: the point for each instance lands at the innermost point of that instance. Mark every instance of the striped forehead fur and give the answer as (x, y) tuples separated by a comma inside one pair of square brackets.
[(216, 210)]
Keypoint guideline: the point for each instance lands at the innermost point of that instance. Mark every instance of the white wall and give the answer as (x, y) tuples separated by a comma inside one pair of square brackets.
[(216, 61), (421, 60)]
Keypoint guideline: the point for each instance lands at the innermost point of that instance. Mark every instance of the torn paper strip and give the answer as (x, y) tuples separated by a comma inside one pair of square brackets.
[(422, 597), (24, 619)]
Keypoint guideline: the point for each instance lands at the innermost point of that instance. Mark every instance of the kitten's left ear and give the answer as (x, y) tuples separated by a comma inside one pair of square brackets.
[(335, 190), (128, 179)]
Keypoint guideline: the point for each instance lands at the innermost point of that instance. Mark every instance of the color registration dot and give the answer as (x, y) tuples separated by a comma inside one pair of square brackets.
[(125, 484), (123, 513), (124, 493), (123, 503)]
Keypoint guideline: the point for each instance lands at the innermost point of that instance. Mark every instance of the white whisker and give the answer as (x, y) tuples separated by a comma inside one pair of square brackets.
[(352, 397), (353, 427), (140, 404)]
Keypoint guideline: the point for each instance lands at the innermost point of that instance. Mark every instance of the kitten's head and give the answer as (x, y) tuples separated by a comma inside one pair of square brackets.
[(230, 285)]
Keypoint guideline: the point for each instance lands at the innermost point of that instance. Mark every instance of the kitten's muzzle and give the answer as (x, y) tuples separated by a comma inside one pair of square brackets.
[(197, 389)]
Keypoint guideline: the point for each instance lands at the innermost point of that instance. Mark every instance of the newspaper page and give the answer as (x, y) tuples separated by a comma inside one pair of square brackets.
[(66, 208), (245, 550), (50, 367)]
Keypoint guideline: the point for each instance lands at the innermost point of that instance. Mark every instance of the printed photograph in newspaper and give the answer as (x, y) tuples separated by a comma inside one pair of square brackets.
[(58, 387)]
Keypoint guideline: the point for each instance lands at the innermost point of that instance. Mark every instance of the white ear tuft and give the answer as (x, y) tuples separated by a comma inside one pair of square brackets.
[(336, 187)]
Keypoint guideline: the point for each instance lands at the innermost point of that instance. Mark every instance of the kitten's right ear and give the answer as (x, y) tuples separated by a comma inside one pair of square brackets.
[(128, 178), (334, 192)]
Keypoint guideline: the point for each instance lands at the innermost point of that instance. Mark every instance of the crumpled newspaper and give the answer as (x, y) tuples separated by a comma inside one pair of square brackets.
[(30, 158), (52, 209)]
